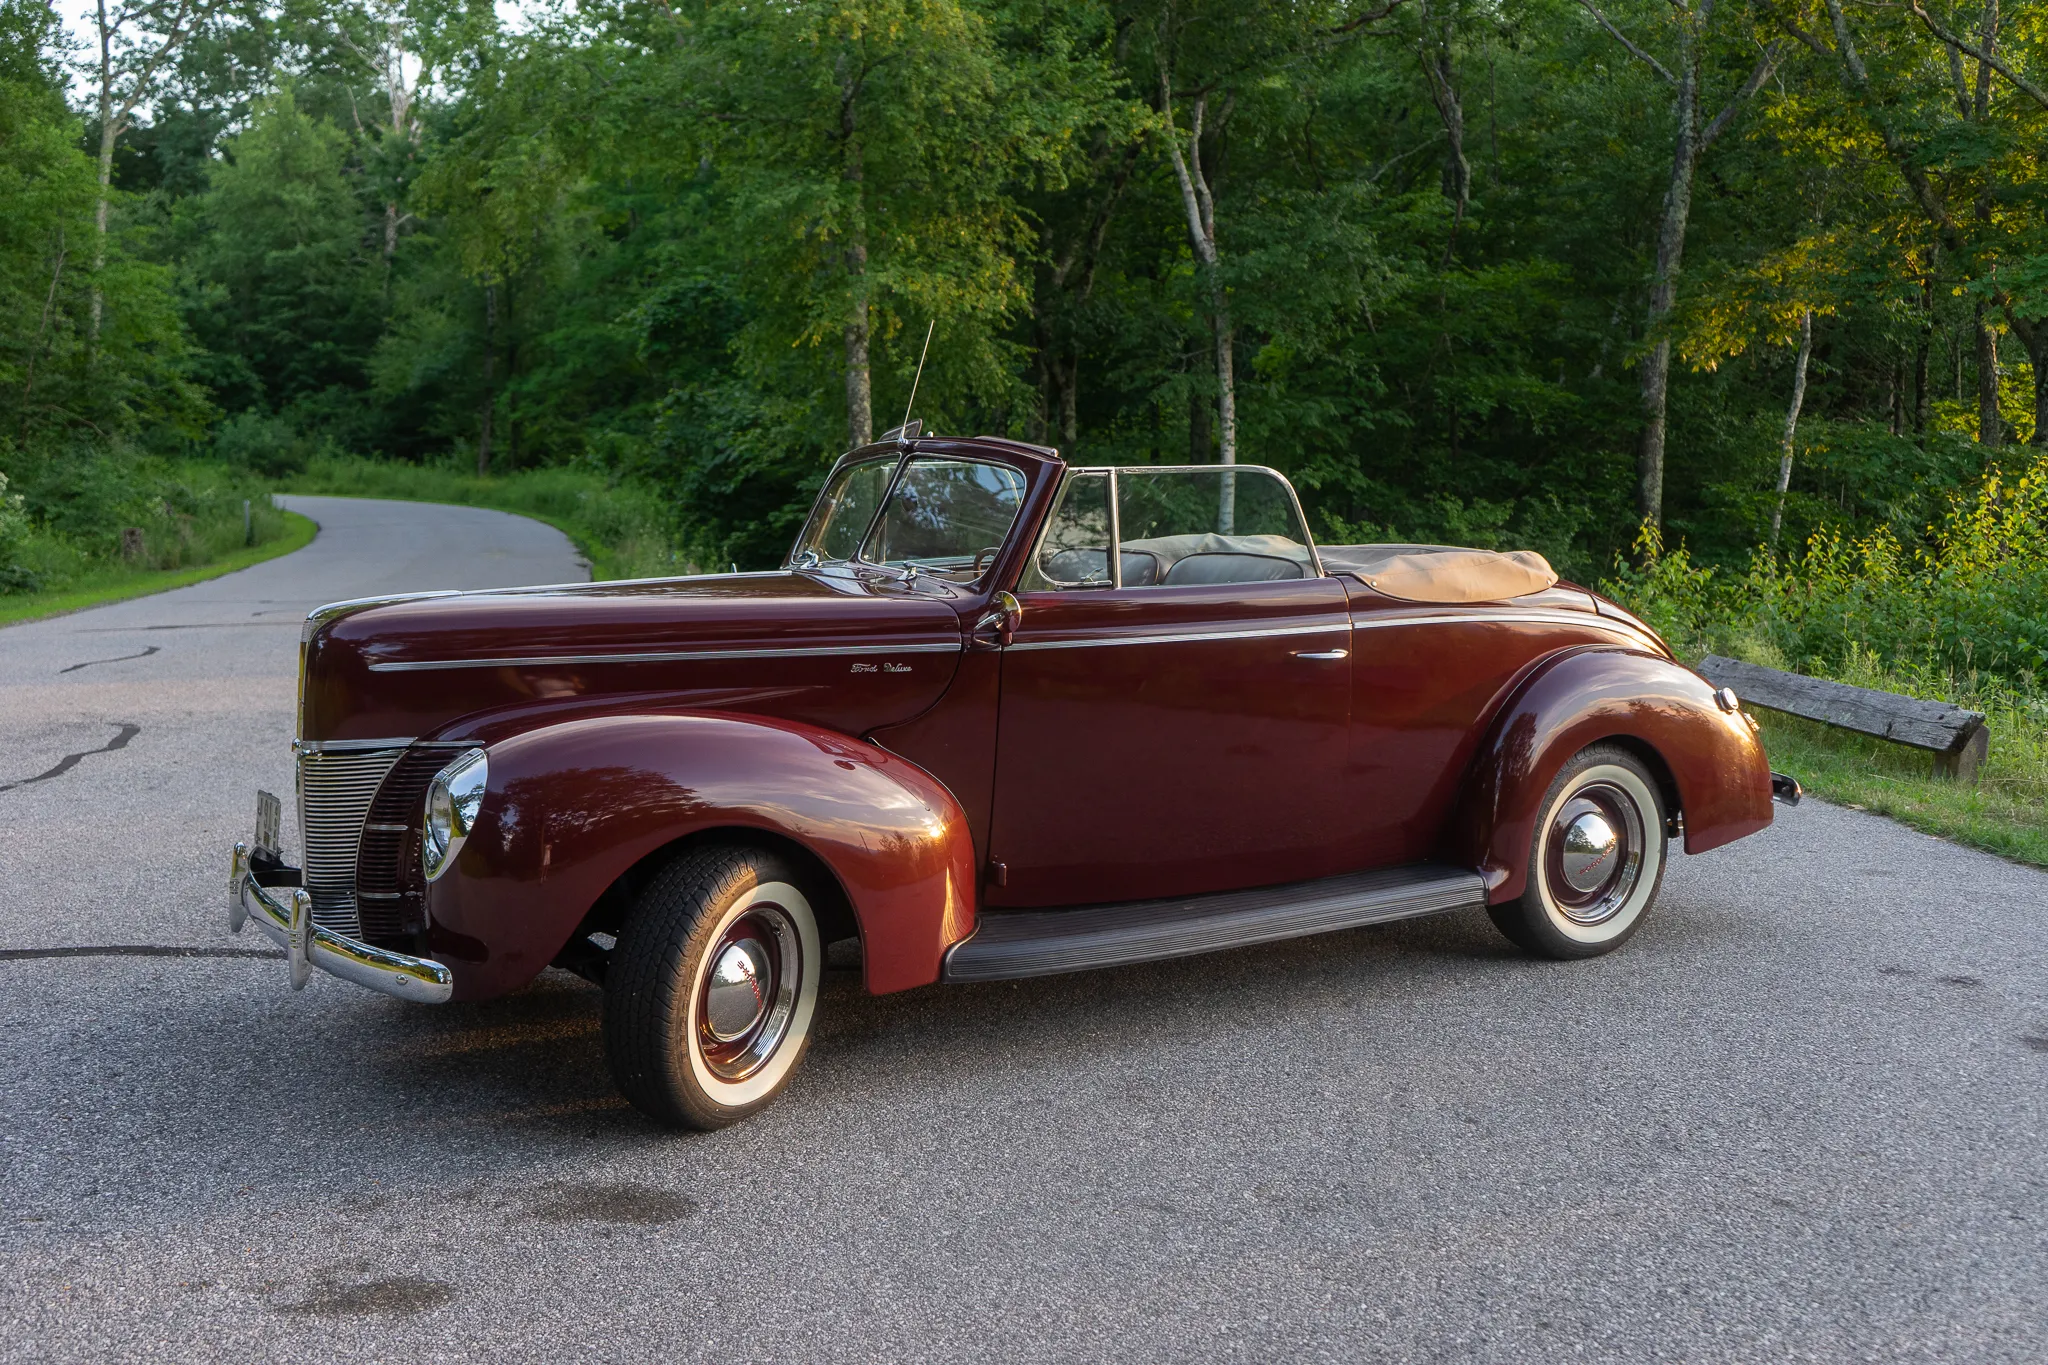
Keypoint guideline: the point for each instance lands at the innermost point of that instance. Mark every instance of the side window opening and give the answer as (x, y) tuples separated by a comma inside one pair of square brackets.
[(1209, 525), (1074, 550)]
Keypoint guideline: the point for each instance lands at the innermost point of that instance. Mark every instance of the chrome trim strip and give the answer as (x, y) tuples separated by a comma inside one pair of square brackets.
[(1509, 616), (665, 656), (1186, 637), (289, 924), (350, 746)]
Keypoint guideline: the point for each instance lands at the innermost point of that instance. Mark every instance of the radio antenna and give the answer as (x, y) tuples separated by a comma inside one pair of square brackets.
[(905, 428)]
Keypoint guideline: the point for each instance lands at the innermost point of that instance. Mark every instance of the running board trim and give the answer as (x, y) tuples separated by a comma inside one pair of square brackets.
[(1007, 944)]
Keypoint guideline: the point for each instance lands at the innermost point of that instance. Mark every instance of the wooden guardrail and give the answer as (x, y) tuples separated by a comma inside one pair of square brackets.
[(1956, 737)]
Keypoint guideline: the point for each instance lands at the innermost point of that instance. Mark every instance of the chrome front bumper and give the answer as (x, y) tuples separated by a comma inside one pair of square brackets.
[(285, 913)]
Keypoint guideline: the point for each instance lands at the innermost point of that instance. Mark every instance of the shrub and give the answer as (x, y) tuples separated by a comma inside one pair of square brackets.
[(15, 576), (1971, 598)]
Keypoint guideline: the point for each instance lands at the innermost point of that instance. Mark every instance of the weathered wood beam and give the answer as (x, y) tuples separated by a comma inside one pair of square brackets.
[(1956, 736)]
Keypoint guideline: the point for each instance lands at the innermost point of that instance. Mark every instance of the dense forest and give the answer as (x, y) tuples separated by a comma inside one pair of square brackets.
[(1529, 272)]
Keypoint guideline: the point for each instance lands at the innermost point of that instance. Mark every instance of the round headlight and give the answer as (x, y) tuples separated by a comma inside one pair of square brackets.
[(453, 798)]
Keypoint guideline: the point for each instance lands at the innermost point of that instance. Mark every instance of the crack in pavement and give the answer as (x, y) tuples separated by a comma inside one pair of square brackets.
[(153, 649), (129, 730), (187, 625), (132, 950)]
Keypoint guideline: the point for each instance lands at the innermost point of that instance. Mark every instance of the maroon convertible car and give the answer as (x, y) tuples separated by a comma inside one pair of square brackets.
[(996, 717)]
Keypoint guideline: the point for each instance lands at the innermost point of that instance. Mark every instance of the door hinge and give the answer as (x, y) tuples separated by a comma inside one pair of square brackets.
[(998, 872)]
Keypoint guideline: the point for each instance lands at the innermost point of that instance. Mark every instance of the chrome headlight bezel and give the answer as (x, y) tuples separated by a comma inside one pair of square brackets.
[(453, 799)]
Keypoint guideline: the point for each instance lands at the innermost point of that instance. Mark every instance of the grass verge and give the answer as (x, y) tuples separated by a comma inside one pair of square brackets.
[(623, 529), (98, 587), (2005, 811)]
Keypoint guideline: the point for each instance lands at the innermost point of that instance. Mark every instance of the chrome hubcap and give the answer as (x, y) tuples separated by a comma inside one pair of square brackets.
[(1593, 852), (748, 992), (738, 993), (1590, 844)]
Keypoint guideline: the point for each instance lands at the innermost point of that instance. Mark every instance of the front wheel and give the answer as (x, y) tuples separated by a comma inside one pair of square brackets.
[(711, 987), (1596, 860)]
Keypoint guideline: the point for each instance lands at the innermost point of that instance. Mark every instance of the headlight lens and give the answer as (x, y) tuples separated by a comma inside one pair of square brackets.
[(453, 798)]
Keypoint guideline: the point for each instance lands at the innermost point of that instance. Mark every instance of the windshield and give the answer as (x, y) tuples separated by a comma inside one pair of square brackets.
[(946, 517), (844, 511)]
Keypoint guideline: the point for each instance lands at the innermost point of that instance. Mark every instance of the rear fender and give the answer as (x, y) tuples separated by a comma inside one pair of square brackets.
[(1712, 757), (571, 807)]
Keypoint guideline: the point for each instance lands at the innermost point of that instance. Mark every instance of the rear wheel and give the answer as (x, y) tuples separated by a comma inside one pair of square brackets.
[(712, 986), (1596, 860)]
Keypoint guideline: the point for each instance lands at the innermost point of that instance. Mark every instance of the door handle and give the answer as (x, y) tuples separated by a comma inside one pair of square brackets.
[(1322, 653)]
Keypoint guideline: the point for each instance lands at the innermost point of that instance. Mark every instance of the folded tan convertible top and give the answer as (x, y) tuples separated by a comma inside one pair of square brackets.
[(1442, 573)]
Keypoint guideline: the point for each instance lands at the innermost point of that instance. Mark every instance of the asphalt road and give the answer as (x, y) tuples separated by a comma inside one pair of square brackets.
[(1800, 1116)]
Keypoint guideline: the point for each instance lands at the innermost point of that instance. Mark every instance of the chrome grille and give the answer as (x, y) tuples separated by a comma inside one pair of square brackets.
[(335, 791)]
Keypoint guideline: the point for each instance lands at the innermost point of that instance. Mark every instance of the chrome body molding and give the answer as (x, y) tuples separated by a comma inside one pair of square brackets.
[(285, 915), (356, 746), (1510, 616), (666, 656), (1185, 637)]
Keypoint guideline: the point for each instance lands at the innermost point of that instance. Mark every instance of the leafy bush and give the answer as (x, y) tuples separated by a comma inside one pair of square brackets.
[(271, 446), (1972, 597), (15, 576), (88, 509)]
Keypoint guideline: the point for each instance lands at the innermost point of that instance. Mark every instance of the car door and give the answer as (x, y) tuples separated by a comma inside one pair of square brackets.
[(1160, 732)]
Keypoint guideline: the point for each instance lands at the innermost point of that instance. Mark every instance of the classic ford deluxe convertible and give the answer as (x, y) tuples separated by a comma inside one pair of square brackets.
[(995, 717)]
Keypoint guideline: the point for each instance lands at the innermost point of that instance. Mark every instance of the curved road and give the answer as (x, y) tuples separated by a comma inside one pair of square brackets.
[(1801, 1115)]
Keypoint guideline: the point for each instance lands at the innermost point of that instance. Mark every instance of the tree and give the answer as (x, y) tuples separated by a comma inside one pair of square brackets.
[(1974, 173), (136, 43), (1693, 39)]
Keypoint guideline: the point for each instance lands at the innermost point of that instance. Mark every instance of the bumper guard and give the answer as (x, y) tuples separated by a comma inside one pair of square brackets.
[(284, 912)]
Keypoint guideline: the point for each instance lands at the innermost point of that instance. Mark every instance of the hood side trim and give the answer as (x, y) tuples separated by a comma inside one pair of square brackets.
[(662, 656)]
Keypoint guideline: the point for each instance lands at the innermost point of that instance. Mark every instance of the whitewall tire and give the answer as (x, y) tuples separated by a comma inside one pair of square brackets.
[(1596, 858), (712, 987)]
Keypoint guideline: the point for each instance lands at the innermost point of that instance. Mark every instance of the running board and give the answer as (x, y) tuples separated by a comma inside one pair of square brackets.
[(1014, 943)]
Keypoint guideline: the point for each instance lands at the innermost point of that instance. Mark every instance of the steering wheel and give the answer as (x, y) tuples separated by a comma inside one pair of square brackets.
[(987, 555)]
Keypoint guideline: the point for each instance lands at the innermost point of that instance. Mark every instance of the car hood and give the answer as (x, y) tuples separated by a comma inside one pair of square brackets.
[(852, 653)]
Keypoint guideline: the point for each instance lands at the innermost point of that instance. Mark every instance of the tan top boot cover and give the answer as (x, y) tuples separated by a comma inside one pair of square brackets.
[(1461, 576)]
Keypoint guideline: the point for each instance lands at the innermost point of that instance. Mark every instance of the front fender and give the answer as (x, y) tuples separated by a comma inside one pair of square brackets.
[(570, 807), (1713, 757)]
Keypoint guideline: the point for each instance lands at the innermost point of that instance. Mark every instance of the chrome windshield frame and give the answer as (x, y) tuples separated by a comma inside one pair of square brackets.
[(1115, 472)]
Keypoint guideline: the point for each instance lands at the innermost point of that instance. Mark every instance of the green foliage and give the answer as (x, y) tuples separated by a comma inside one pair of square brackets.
[(1971, 600), (15, 576), (281, 290)]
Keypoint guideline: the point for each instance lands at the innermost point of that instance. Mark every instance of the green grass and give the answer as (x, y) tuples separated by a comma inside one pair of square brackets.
[(114, 583), (2005, 811), (621, 528)]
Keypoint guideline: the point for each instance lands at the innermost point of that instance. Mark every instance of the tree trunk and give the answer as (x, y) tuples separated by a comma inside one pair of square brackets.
[(860, 400), (108, 133), (28, 382), (860, 413), (2034, 337), (1435, 50), (483, 443), (1201, 212), (1201, 434), (1990, 426), (1070, 403), (1792, 422), (1656, 374), (1922, 393)]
